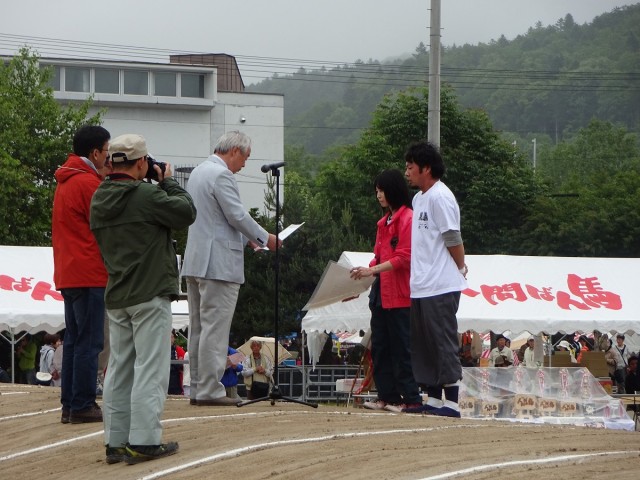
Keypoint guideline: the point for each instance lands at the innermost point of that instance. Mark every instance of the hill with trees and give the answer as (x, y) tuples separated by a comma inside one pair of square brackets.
[(547, 83)]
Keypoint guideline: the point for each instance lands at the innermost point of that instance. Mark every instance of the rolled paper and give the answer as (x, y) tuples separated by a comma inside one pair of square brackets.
[(564, 382), (485, 380), (541, 381), (585, 384)]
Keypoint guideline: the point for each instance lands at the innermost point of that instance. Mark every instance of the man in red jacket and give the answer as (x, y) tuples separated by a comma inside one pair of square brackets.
[(79, 272)]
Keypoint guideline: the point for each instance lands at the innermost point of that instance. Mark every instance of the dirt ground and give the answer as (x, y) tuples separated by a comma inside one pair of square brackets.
[(291, 441)]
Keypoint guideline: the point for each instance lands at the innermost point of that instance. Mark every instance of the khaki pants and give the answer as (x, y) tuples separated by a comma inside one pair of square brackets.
[(138, 373), (211, 307), (103, 357)]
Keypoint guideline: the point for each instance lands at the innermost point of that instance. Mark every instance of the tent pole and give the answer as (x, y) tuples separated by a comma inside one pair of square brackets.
[(12, 341), (13, 355), (304, 370)]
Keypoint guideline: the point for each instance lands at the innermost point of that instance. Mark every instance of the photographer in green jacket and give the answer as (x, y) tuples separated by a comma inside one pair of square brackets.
[(132, 221)]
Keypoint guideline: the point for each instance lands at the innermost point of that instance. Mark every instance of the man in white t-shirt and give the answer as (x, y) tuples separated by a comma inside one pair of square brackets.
[(621, 371), (437, 277), (529, 360)]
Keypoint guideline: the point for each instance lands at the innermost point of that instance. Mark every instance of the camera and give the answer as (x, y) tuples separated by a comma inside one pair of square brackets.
[(151, 172)]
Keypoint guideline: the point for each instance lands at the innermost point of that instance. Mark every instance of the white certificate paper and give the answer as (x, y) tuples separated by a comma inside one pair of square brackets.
[(289, 230), (336, 285), (283, 234)]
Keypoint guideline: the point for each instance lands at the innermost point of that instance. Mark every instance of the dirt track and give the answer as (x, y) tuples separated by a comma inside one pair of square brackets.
[(291, 441)]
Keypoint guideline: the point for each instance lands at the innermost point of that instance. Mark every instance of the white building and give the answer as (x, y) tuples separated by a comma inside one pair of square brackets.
[(181, 108)]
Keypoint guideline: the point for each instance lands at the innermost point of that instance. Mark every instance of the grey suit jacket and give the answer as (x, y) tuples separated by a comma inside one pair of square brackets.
[(216, 241)]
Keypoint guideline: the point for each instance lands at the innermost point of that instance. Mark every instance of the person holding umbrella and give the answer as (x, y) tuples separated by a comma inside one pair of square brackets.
[(257, 370)]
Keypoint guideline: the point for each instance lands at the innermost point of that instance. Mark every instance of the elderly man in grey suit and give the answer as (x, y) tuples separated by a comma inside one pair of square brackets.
[(214, 263)]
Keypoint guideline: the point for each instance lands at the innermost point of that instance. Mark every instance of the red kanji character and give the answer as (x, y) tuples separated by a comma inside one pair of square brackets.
[(565, 302), (508, 291), (23, 285), (42, 289), (9, 283), (589, 290), (470, 293), (540, 294), (6, 282)]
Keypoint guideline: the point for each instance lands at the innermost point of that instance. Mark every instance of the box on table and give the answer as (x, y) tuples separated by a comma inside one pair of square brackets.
[(595, 363)]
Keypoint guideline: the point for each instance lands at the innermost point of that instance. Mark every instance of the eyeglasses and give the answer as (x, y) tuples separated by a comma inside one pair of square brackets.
[(108, 155)]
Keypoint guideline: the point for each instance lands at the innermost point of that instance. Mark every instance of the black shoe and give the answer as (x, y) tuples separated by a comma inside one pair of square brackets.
[(424, 409), (88, 415), (143, 453), (446, 412), (116, 454), (64, 418)]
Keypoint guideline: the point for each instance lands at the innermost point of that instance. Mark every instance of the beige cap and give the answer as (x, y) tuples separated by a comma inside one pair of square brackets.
[(127, 147)]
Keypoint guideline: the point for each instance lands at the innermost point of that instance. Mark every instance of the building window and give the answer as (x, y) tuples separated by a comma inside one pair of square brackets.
[(54, 80), (107, 80), (136, 82), (76, 79), (192, 85), (165, 84)]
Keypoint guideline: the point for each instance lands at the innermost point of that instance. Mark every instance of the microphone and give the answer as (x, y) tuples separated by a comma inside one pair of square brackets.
[(271, 166)]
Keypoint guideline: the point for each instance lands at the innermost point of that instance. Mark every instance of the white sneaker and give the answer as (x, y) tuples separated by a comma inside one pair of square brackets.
[(374, 404), (395, 407)]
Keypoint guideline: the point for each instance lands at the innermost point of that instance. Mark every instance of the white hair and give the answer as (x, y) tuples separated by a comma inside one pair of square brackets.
[(233, 139)]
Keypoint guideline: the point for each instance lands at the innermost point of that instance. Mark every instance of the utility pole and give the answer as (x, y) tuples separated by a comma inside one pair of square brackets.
[(535, 144), (433, 116)]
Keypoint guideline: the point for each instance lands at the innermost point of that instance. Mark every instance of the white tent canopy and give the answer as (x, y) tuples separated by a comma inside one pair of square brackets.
[(533, 294), (28, 299)]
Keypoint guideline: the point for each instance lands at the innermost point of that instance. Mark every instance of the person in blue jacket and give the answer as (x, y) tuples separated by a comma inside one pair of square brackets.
[(230, 377)]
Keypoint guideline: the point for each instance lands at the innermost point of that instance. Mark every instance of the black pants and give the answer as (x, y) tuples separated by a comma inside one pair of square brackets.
[(392, 372)]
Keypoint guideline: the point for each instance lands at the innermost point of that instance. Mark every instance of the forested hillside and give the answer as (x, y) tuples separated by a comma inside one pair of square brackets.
[(546, 83)]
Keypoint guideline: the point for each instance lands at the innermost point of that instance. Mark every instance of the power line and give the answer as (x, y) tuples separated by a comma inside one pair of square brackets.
[(351, 70), (389, 75)]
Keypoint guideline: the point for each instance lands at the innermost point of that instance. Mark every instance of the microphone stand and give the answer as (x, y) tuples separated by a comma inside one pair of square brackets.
[(275, 393)]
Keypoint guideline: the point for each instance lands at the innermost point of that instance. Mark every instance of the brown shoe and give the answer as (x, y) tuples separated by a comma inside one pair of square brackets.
[(218, 402), (192, 401), (64, 418), (87, 415)]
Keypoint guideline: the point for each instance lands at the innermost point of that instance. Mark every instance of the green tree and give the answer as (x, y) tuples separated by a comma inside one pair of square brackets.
[(593, 210), (494, 185), (35, 136), (599, 150)]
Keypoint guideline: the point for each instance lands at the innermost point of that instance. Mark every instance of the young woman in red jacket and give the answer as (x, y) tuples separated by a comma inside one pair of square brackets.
[(389, 300)]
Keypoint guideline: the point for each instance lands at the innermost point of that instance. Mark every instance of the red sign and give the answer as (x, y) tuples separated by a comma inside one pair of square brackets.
[(40, 291), (583, 294)]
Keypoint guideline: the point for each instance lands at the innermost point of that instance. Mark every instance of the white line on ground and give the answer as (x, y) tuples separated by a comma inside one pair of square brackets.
[(30, 414), (236, 452), (495, 466), (200, 419), (51, 445)]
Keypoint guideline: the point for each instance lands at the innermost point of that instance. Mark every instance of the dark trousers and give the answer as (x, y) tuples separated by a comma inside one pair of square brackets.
[(434, 340), (619, 379), (83, 341), (390, 330)]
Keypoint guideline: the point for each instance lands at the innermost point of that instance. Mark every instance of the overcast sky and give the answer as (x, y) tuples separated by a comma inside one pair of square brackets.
[(331, 31)]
